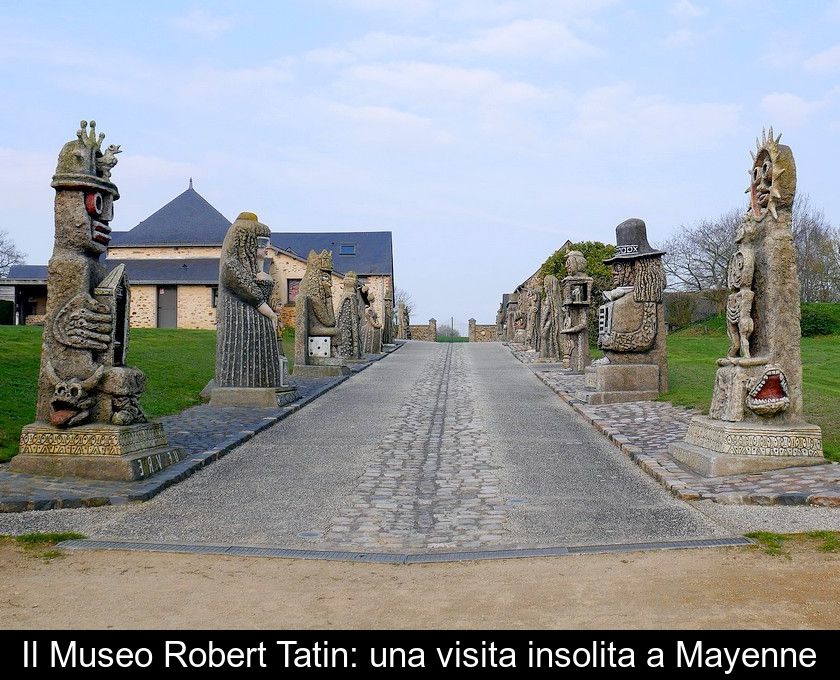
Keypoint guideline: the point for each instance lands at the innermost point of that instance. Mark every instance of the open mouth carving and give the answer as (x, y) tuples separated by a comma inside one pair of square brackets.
[(101, 233), (770, 394)]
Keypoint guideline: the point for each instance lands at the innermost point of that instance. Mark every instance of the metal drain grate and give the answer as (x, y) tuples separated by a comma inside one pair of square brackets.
[(398, 558)]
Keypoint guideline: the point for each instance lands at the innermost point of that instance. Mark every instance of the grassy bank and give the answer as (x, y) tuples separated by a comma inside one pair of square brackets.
[(693, 351), (178, 364)]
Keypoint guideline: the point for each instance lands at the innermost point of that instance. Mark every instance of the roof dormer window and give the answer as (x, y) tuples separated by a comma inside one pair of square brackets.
[(347, 249)]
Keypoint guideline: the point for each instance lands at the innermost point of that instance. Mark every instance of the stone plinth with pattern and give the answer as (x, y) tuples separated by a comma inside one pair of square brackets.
[(755, 418), (631, 324), (86, 393)]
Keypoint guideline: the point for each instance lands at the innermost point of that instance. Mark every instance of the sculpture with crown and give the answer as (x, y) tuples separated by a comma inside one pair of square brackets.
[(317, 335), (755, 419), (89, 422)]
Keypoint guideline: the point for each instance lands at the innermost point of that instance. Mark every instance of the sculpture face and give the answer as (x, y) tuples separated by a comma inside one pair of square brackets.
[(623, 273), (772, 176), (100, 206)]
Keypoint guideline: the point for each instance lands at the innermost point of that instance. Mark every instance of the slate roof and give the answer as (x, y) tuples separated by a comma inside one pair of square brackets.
[(188, 219), (161, 272), (374, 251)]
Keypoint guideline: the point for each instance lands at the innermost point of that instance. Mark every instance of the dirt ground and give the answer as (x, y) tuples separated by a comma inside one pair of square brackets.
[(729, 588)]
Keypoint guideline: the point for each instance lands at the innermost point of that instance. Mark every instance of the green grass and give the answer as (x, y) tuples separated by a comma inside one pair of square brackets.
[(693, 351), (451, 338), (46, 539), (780, 544)]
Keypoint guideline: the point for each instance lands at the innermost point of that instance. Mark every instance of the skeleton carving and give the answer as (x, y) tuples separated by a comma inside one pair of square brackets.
[(72, 397)]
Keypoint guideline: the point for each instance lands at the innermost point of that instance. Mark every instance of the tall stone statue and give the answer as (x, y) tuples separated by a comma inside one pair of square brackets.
[(403, 322), (755, 420), (631, 324), (549, 325), (89, 419), (533, 319), (372, 329), (349, 318), (577, 291), (250, 365), (388, 320), (317, 335)]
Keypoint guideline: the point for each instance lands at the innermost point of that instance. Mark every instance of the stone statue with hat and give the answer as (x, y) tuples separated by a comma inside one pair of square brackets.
[(631, 324)]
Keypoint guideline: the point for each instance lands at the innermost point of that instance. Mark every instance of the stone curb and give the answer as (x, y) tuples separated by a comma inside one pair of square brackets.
[(674, 478), (146, 489)]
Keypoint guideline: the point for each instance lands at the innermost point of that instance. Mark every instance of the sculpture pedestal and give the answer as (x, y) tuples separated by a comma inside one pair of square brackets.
[(321, 367), (95, 451), (617, 383), (255, 397), (716, 448)]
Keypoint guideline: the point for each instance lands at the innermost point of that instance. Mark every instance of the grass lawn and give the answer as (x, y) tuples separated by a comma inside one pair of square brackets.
[(177, 363), (693, 351)]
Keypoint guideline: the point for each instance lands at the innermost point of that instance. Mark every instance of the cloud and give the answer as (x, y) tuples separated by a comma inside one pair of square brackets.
[(827, 60), (786, 108), (679, 38), (422, 79), (537, 38), (383, 123), (617, 115), (203, 24), (685, 10)]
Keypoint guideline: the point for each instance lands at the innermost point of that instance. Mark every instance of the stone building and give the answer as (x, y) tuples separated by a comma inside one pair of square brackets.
[(172, 262)]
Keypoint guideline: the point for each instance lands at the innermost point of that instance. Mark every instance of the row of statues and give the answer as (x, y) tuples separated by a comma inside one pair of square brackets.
[(755, 420)]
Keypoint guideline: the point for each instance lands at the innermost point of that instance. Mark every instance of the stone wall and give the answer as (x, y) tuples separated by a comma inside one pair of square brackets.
[(426, 333), (163, 252), (143, 306), (482, 332), (195, 307)]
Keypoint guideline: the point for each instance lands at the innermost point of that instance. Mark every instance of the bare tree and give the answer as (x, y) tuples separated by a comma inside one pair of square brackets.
[(817, 252), (448, 331), (402, 295), (9, 253), (698, 254)]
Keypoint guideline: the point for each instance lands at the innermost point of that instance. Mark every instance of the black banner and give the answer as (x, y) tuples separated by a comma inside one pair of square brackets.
[(729, 654)]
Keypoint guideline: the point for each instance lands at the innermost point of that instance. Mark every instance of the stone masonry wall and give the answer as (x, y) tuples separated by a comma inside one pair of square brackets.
[(143, 306), (482, 332), (195, 307), (426, 333), (163, 252)]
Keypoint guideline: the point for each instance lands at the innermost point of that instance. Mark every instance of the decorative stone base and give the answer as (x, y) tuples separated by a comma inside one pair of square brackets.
[(256, 397), (315, 371), (96, 451), (618, 383), (715, 448)]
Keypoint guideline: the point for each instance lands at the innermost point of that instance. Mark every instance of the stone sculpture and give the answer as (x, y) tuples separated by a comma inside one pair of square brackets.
[(317, 336), (349, 318), (403, 322), (372, 329), (631, 324), (550, 319), (755, 419), (89, 419), (250, 365), (533, 320), (388, 320), (577, 291)]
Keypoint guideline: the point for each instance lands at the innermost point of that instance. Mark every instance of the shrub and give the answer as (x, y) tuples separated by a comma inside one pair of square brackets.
[(817, 321)]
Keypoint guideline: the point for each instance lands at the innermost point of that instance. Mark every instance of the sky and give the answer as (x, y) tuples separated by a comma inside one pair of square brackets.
[(482, 133)]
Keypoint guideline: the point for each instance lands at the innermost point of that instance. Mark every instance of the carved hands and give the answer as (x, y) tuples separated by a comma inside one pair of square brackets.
[(84, 323)]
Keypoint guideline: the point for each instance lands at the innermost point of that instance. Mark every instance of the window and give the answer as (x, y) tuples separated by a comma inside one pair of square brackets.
[(347, 249), (214, 296), (292, 286)]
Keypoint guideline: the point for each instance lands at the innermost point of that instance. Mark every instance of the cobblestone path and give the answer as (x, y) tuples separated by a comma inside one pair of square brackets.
[(433, 482)]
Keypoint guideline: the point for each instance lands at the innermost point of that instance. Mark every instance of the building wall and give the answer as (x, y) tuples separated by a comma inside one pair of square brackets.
[(143, 306), (427, 333), (195, 307), (163, 252)]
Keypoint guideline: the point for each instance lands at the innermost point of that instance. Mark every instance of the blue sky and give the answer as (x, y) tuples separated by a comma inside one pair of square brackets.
[(483, 133)]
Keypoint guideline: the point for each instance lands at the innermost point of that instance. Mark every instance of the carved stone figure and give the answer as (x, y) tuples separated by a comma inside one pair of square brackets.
[(755, 418), (349, 318), (250, 366), (388, 320), (550, 319), (89, 419), (403, 322), (631, 323), (533, 322), (372, 329), (317, 336), (577, 290)]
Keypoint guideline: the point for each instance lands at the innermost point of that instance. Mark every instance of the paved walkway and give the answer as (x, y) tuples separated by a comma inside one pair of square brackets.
[(436, 447)]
